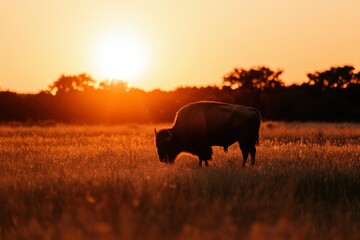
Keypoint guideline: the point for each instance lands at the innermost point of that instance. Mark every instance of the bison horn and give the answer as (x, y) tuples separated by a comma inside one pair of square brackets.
[(155, 131)]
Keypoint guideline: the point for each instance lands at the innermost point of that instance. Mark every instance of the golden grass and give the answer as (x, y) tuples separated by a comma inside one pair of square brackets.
[(106, 182)]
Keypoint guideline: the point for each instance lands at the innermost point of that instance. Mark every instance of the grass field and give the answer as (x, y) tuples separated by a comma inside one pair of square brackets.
[(106, 182)]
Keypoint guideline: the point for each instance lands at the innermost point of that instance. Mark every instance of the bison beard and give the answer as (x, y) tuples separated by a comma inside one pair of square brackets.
[(201, 125)]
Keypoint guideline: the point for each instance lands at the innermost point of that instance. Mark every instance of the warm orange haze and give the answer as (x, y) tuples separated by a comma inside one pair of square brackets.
[(165, 44), (159, 119)]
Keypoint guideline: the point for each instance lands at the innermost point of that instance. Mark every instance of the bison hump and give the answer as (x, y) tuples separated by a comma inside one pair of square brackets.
[(190, 124)]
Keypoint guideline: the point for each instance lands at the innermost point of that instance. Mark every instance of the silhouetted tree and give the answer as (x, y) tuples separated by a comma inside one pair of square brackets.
[(65, 84), (357, 78), (78, 101), (259, 79), (335, 77), (116, 85)]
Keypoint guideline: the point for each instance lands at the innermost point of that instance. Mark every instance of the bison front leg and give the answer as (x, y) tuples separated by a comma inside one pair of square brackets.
[(200, 163), (205, 155)]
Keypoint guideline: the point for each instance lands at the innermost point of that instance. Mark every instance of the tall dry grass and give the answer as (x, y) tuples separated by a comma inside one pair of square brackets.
[(106, 182)]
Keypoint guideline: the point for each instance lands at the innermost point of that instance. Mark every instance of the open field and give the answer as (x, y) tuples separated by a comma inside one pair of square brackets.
[(106, 182)]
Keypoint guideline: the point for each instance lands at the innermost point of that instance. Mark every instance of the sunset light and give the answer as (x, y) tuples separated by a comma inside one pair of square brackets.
[(166, 44), (189, 119), (120, 57)]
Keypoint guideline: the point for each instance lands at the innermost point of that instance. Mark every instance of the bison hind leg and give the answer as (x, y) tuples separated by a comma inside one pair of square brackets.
[(245, 152), (252, 154), (246, 149)]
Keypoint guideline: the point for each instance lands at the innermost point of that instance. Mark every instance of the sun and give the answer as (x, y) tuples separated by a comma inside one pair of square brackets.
[(120, 57)]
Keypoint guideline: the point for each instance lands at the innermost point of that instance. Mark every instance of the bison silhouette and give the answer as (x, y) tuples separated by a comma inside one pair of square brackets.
[(200, 125)]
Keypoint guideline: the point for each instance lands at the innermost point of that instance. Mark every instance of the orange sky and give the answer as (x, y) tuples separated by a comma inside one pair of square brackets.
[(179, 43)]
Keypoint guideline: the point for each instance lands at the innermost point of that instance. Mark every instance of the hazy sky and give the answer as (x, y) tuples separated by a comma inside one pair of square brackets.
[(187, 42)]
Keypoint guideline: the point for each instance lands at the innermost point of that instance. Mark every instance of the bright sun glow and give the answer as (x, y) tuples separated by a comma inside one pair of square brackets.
[(121, 58)]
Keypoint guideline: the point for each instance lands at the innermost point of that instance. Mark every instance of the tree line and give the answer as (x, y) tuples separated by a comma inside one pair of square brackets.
[(330, 95)]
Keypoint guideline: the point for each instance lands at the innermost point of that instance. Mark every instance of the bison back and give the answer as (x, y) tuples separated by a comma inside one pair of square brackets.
[(214, 123)]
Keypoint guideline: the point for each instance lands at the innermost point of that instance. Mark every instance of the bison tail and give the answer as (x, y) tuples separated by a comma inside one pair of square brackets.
[(258, 127), (257, 142)]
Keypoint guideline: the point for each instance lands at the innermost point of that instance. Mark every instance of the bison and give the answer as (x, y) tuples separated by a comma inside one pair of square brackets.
[(200, 125)]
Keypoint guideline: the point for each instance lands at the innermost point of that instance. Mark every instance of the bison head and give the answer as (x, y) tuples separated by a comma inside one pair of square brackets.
[(166, 146)]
